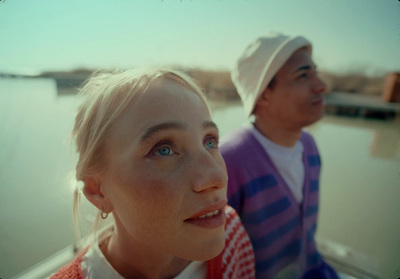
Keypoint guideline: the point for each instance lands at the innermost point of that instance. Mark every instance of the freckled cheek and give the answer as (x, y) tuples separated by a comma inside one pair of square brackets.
[(164, 198), (158, 187), (151, 198), (154, 182)]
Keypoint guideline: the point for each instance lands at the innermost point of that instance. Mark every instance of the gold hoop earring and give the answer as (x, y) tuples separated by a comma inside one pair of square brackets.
[(103, 214)]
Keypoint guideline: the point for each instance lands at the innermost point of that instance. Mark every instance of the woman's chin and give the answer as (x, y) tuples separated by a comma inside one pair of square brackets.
[(210, 250)]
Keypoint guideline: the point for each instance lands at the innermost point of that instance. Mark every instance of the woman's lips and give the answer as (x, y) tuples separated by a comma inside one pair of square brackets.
[(211, 214), (210, 217)]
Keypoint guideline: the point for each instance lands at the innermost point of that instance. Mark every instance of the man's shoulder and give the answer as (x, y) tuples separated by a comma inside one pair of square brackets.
[(235, 140), (306, 134), (310, 148), (307, 138)]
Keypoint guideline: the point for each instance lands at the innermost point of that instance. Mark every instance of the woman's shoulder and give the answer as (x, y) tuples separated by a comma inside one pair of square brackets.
[(238, 255), (71, 270), (235, 232)]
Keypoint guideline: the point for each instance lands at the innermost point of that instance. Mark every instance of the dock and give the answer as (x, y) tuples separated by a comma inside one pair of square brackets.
[(356, 104)]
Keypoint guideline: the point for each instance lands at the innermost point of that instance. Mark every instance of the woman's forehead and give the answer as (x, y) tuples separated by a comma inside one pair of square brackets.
[(169, 97), (164, 101)]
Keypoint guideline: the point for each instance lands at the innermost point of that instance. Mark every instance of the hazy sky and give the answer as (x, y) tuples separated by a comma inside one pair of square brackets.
[(347, 35)]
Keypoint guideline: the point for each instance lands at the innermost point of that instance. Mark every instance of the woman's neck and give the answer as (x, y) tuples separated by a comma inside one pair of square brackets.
[(137, 260)]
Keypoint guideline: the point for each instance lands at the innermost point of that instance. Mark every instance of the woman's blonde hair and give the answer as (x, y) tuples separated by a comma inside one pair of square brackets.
[(105, 95)]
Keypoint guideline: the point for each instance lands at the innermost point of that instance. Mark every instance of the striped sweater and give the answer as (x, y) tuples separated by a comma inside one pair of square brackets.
[(281, 231), (235, 262)]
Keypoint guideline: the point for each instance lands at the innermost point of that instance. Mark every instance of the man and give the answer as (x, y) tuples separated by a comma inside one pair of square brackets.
[(273, 165)]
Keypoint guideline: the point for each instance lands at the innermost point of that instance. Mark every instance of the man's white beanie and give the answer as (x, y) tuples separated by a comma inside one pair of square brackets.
[(260, 62)]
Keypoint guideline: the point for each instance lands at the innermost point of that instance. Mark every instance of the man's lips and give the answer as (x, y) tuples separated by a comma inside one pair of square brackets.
[(317, 102)]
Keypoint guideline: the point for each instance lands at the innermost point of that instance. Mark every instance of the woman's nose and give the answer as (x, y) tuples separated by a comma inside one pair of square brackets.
[(208, 171)]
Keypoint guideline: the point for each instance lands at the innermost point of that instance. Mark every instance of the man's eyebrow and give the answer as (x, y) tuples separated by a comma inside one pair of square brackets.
[(305, 67), (162, 127)]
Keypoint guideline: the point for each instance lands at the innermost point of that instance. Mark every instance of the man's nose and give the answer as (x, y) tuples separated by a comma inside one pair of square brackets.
[(319, 86)]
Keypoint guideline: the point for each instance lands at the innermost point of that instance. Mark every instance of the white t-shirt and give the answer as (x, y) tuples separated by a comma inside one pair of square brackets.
[(95, 266), (288, 161)]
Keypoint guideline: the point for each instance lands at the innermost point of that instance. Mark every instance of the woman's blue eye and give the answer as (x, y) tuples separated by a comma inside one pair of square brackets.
[(210, 144), (164, 151)]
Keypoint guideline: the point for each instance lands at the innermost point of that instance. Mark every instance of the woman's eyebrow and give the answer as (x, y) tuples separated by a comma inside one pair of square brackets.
[(149, 132), (162, 127), (210, 124)]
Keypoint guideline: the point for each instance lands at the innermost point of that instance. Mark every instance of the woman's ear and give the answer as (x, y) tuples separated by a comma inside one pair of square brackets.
[(93, 192)]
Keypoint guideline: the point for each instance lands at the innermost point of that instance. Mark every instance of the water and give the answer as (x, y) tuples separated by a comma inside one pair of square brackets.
[(359, 220), (35, 202)]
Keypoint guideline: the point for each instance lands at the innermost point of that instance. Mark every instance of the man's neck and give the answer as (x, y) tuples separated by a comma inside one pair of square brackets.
[(278, 134)]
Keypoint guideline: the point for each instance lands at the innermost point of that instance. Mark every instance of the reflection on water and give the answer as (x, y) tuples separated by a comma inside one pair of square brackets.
[(360, 190), (360, 185), (385, 144), (385, 135)]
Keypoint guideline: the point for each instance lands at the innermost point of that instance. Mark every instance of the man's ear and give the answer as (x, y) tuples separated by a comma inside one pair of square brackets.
[(264, 99), (93, 192)]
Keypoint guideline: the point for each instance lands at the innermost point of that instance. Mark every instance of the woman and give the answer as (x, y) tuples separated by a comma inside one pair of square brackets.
[(148, 154)]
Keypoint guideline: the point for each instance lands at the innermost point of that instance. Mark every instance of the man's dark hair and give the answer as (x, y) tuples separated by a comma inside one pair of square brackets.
[(271, 84)]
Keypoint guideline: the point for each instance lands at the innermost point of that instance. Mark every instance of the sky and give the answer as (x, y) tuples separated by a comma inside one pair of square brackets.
[(347, 35)]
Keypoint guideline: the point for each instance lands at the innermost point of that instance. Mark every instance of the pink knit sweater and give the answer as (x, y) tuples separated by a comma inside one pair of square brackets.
[(235, 262)]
